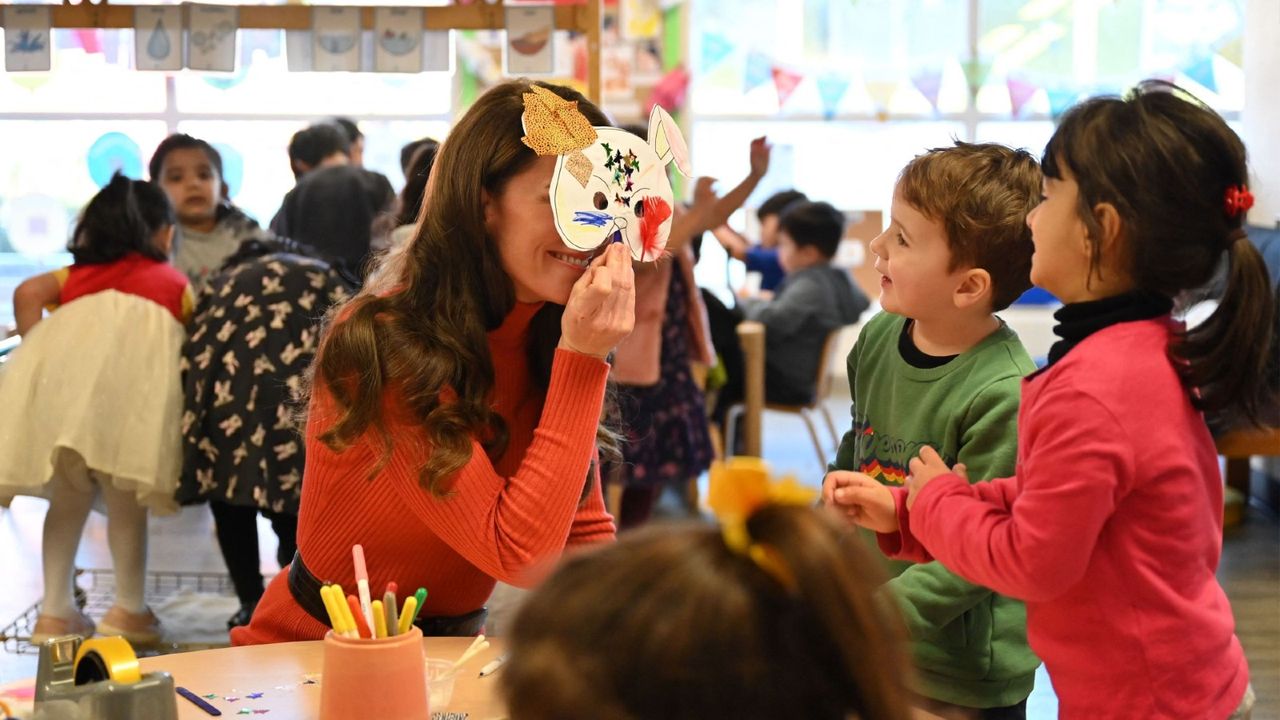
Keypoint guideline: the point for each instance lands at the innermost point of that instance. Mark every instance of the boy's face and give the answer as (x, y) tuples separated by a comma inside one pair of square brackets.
[(1060, 263), (912, 257), (769, 230), (192, 184), (793, 257)]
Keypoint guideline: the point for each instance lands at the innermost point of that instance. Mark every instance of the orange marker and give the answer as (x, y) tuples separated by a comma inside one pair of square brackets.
[(363, 627)]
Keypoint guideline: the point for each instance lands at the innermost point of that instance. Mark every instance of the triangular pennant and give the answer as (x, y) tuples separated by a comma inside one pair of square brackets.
[(831, 90), (759, 70), (1201, 71), (975, 73), (715, 48), (90, 40), (786, 82), (1233, 52), (881, 92), (929, 82), (1020, 91), (1060, 99)]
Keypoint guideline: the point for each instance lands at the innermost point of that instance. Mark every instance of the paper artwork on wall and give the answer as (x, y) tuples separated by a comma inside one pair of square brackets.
[(616, 63), (641, 19), (157, 37), (397, 33), (529, 50), (335, 34), (436, 51), (297, 50), (211, 37), (27, 33)]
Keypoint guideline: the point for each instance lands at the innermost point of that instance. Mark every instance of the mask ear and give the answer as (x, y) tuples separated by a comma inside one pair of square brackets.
[(667, 142)]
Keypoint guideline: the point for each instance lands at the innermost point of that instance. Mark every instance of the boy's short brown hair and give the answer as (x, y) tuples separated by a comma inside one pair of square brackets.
[(981, 193)]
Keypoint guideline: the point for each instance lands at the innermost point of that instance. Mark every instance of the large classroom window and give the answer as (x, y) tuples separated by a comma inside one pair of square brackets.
[(847, 91)]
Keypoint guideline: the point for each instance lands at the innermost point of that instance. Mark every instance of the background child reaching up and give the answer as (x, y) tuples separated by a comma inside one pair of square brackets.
[(1111, 529)]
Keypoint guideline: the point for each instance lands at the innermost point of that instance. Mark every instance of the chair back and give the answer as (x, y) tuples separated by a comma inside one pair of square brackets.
[(822, 386)]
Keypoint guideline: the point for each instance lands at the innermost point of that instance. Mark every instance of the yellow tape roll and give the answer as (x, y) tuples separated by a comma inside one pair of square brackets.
[(108, 658)]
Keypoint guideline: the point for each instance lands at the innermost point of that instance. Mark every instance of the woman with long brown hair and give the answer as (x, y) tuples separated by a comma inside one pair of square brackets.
[(456, 408)]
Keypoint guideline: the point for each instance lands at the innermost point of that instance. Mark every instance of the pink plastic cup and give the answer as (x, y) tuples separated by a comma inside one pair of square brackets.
[(383, 678)]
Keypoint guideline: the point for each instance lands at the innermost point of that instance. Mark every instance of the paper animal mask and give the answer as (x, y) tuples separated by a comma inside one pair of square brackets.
[(612, 186)]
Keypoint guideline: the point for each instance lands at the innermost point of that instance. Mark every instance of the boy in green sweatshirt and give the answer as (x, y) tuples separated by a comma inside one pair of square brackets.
[(938, 368)]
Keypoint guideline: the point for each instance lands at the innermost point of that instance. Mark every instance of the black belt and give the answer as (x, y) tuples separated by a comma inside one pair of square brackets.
[(305, 589)]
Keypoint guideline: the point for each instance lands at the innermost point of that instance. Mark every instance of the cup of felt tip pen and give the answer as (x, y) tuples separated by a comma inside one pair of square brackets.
[(369, 676)]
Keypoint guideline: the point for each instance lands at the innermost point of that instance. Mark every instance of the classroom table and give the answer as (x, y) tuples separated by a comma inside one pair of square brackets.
[(284, 679)]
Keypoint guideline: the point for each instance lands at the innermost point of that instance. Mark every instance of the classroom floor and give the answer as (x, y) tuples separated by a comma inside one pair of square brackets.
[(1250, 568)]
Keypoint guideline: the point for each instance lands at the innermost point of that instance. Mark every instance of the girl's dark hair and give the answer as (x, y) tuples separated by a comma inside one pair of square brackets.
[(415, 182), (669, 623), (1165, 161), (420, 326), (182, 141), (121, 219)]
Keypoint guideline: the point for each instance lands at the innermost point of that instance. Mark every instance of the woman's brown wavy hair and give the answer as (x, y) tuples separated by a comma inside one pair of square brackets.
[(419, 325)]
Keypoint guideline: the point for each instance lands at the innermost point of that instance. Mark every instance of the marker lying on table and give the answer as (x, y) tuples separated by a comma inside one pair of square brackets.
[(492, 666), (198, 701)]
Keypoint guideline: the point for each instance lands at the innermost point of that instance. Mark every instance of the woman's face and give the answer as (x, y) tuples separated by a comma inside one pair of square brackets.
[(520, 220)]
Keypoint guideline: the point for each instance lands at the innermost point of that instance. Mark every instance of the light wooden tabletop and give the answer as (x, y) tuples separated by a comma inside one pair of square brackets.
[(284, 678)]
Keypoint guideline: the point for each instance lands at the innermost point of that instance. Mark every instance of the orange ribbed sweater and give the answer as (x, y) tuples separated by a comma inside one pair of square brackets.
[(504, 521)]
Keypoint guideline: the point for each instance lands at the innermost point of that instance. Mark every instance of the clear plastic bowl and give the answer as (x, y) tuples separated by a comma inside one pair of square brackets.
[(439, 683)]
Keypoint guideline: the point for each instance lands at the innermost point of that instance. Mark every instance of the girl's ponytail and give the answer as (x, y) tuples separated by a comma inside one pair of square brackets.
[(1176, 173), (1232, 356)]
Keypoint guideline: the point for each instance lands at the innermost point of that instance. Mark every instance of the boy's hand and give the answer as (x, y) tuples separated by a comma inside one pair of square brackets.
[(760, 151), (861, 500), (924, 468)]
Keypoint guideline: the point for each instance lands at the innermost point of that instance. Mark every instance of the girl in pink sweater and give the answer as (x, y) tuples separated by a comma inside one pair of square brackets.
[(1111, 530)]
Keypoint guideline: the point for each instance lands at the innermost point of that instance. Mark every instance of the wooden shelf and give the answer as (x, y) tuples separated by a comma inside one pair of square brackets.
[(584, 18)]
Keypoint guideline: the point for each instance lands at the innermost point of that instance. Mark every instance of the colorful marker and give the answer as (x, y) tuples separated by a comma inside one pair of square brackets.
[(362, 583), (361, 626), (407, 615), (379, 620), (197, 701)]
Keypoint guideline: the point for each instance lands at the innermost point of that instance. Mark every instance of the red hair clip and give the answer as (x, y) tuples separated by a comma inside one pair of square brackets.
[(1238, 200)]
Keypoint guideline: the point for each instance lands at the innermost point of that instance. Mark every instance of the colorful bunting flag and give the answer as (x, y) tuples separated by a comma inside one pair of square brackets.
[(715, 48), (1201, 71), (759, 70), (975, 74), (785, 81), (1233, 52), (1060, 99), (881, 92), (831, 90), (929, 82), (1020, 91), (90, 40)]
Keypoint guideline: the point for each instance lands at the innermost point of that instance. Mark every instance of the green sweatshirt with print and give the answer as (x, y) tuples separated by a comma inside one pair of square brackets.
[(969, 644)]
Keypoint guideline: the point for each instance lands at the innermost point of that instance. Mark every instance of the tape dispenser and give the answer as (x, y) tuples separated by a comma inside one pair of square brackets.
[(99, 679)]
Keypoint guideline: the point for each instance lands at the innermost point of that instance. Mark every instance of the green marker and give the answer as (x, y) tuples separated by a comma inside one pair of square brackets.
[(421, 597)]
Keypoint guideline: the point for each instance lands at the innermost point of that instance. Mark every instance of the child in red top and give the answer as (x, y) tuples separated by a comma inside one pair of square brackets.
[(1111, 530), (104, 421)]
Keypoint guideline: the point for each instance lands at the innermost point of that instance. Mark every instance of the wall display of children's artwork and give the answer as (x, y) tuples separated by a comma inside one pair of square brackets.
[(26, 38), (397, 33), (616, 63), (335, 34), (529, 50), (157, 37), (211, 37), (297, 50), (608, 185), (437, 52), (641, 19)]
